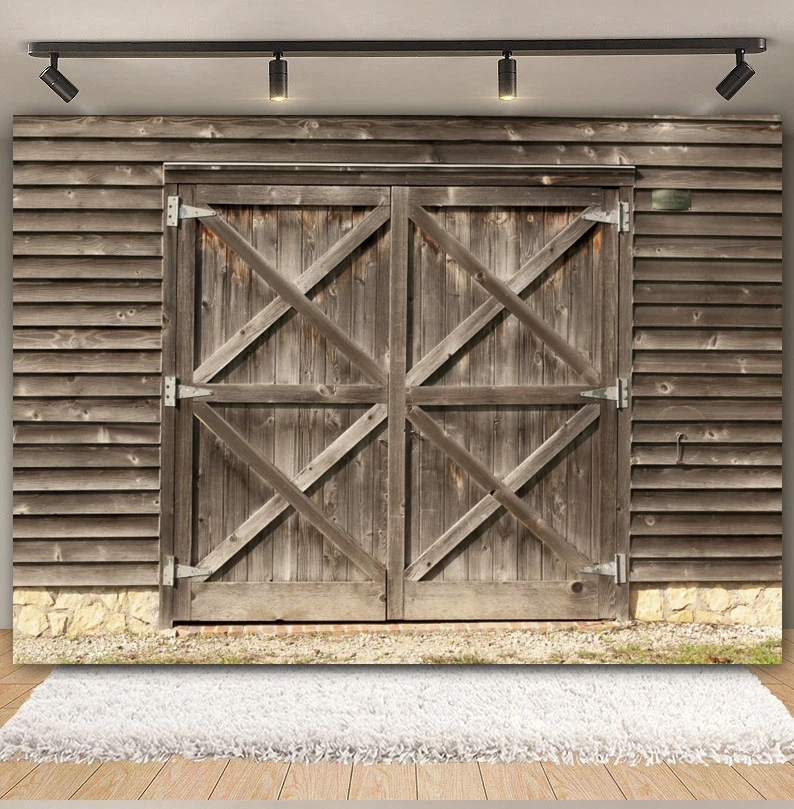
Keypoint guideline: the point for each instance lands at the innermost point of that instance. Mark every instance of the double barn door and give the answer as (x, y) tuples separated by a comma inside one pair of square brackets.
[(381, 403)]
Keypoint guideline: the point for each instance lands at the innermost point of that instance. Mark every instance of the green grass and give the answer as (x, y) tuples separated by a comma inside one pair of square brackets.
[(769, 651)]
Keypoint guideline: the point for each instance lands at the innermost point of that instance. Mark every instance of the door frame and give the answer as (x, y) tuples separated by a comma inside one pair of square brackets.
[(182, 177)]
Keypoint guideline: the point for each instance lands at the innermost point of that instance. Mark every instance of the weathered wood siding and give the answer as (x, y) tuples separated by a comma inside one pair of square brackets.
[(88, 247)]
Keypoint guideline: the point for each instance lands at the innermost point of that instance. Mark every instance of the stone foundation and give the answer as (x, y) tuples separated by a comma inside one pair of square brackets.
[(733, 603), (51, 611)]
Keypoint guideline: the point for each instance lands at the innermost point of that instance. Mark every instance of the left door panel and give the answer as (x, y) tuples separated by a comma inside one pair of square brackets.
[(281, 462)]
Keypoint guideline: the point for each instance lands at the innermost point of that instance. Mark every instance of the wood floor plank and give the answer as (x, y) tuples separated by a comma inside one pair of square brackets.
[(785, 693), (32, 675), (8, 668), (5, 715), (11, 692), (773, 781), (53, 781), (12, 772), (183, 780), (6, 642), (119, 781), (383, 782), (582, 782), (643, 783), (515, 782), (322, 781), (717, 782), (20, 700), (246, 780), (783, 673), (449, 782)]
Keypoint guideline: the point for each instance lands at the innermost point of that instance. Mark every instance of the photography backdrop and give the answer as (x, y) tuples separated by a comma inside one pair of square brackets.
[(550, 86)]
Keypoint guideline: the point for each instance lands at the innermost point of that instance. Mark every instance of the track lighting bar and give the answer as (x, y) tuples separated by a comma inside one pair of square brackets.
[(390, 48)]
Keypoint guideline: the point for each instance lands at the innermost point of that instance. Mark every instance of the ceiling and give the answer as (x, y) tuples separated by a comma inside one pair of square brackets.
[(547, 85)]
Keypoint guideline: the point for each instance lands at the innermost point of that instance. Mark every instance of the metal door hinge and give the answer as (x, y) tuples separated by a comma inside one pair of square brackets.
[(172, 571), (618, 569), (172, 391), (619, 216), (619, 392), (175, 210)]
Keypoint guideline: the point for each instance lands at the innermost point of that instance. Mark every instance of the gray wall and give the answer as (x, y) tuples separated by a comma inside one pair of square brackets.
[(6, 387)]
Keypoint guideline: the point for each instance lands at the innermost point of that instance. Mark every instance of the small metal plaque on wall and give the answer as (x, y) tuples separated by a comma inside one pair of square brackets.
[(671, 199)]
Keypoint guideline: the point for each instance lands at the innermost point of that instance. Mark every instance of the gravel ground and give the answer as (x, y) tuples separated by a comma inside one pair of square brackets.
[(607, 643)]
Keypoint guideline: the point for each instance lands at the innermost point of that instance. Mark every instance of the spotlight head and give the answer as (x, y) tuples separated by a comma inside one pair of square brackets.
[(278, 78), (507, 77), (737, 78), (56, 81)]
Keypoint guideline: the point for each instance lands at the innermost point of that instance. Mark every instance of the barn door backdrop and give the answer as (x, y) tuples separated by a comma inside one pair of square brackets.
[(395, 402)]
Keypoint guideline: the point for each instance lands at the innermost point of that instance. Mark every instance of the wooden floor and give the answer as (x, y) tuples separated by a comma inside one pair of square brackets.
[(244, 780)]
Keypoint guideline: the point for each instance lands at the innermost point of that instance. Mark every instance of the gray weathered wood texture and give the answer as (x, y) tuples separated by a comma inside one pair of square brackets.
[(88, 314)]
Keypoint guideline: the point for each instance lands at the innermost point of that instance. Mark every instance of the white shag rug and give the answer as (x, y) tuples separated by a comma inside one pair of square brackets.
[(405, 714)]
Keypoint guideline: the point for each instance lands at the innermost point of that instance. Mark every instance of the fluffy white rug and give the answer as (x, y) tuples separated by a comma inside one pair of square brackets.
[(406, 714)]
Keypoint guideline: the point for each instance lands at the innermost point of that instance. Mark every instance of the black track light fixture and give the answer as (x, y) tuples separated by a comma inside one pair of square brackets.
[(278, 78), (507, 77), (56, 81), (737, 78)]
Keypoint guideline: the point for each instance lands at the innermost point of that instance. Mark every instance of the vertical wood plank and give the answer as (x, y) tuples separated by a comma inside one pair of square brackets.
[(286, 449), (607, 426), (622, 533), (168, 414), (481, 372), (456, 420), (533, 238), (235, 313), (183, 427), (554, 296), (262, 360), (398, 316), (505, 419)]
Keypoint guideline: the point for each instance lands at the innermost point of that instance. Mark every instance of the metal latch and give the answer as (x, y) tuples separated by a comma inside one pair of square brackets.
[(172, 391), (174, 211), (618, 569), (172, 571), (619, 216), (619, 392)]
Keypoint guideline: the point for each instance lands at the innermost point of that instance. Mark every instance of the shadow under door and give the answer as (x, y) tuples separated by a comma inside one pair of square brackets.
[(388, 403)]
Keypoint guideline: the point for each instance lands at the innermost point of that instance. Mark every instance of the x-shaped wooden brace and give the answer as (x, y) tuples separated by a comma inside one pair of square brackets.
[(501, 492), (505, 295), (292, 295), (291, 492)]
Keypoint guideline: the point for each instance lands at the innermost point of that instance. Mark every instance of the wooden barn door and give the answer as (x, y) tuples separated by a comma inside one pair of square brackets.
[(513, 324), (381, 403), (281, 461)]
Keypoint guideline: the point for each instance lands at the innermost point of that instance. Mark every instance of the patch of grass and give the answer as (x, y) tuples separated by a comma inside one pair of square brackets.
[(768, 651), (461, 659)]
